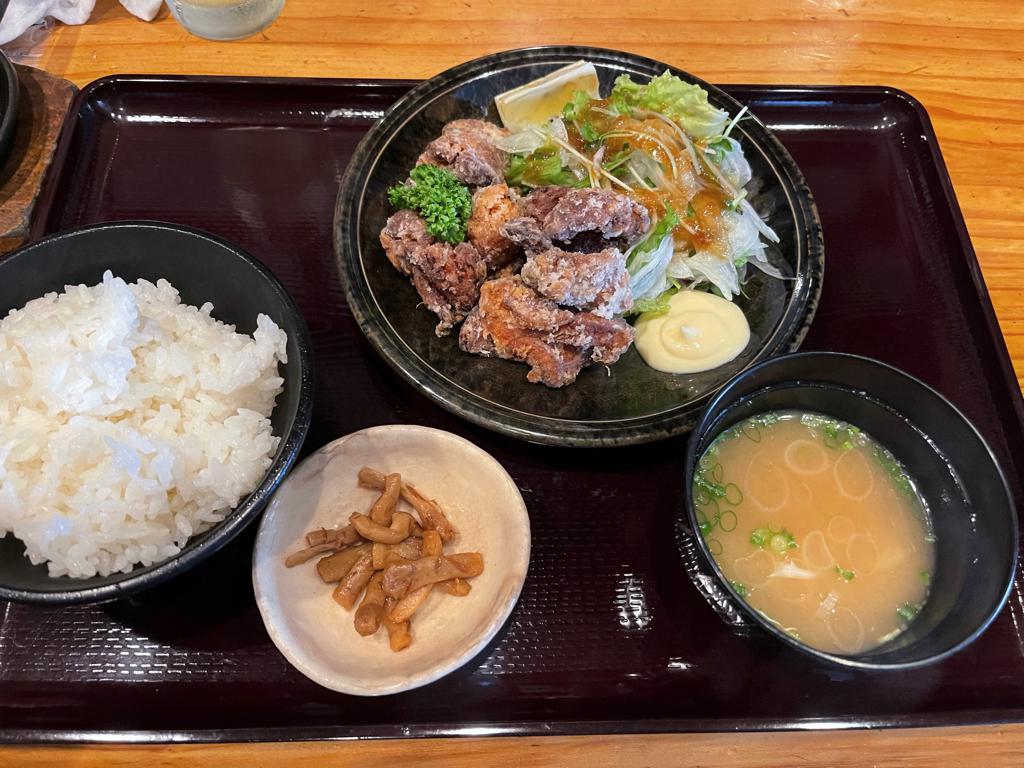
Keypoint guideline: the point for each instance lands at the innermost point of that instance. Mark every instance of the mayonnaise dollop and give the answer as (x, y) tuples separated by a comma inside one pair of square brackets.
[(699, 332)]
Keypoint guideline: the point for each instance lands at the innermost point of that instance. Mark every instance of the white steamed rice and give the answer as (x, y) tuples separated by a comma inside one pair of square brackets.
[(128, 423)]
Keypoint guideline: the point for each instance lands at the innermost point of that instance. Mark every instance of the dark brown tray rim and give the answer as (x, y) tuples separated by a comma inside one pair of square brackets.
[(582, 728), (516, 728)]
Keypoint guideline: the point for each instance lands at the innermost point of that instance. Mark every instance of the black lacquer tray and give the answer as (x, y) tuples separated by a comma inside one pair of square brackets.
[(609, 635)]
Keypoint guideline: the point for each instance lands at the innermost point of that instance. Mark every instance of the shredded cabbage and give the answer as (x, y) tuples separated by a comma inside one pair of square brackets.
[(648, 270), (726, 271)]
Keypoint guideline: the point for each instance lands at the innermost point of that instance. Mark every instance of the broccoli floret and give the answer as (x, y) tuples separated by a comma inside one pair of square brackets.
[(440, 198)]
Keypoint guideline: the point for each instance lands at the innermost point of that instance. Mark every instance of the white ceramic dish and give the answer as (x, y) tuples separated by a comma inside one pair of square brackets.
[(315, 634)]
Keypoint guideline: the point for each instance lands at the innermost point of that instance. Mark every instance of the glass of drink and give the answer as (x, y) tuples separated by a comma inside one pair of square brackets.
[(225, 19)]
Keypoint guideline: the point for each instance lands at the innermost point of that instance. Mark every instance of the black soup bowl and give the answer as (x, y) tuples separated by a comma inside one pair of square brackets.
[(971, 507), (202, 268)]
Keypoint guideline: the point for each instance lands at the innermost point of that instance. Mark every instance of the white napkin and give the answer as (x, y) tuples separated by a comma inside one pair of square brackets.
[(22, 14)]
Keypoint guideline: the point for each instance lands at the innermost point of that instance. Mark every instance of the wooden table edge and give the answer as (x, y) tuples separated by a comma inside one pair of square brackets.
[(988, 745)]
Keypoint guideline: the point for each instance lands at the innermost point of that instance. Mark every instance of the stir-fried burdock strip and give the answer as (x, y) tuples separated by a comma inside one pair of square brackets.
[(399, 635), (408, 605), (389, 547), (399, 580), (410, 549), (309, 553), (340, 537), (355, 581), (383, 508), (370, 612), (402, 527), (455, 587), (466, 148), (431, 516), (334, 567)]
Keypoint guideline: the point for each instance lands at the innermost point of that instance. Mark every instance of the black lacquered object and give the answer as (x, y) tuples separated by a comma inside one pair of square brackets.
[(9, 92), (609, 635), (625, 403), (972, 510), (203, 268)]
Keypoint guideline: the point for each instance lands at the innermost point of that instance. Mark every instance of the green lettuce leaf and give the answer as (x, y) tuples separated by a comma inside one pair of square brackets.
[(540, 168), (656, 306), (580, 101), (665, 224), (680, 101)]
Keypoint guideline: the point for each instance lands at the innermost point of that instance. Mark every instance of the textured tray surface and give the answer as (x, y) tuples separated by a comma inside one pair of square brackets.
[(610, 634)]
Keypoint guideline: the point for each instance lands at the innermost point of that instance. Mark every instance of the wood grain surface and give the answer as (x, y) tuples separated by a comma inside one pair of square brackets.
[(964, 59), (44, 101), (989, 746)]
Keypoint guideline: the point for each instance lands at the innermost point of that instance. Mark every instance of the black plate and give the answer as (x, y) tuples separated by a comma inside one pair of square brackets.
[(626, 403), (8, 103), (203, 268)]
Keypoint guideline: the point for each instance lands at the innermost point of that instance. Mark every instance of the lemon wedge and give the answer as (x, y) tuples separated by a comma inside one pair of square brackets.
[(542, 99)]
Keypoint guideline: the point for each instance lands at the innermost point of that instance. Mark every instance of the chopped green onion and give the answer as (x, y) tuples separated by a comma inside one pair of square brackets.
[(728, 517), (846, 575), (778, 541), (907, 612), (740, 588), (733, 494), (926, 578), (894, 469)]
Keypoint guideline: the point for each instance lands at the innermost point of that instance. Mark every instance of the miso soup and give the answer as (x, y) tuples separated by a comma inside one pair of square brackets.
[(818, 527)]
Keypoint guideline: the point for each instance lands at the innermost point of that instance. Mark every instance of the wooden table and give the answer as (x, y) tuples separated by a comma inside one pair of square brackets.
[(964, 59)]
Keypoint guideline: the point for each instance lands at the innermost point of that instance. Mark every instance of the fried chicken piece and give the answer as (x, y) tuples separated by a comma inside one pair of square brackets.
[(448, 280), (466, 148), (514, 322), (404, 233), (446, 277), (538, 204), (578, 218), (597, 282), (527, 232), (493, 206)]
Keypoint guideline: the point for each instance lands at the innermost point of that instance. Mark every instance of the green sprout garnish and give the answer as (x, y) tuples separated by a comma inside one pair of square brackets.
[(734, 203)]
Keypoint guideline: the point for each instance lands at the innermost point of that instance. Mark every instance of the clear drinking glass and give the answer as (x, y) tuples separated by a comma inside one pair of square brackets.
[(225, 19)]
